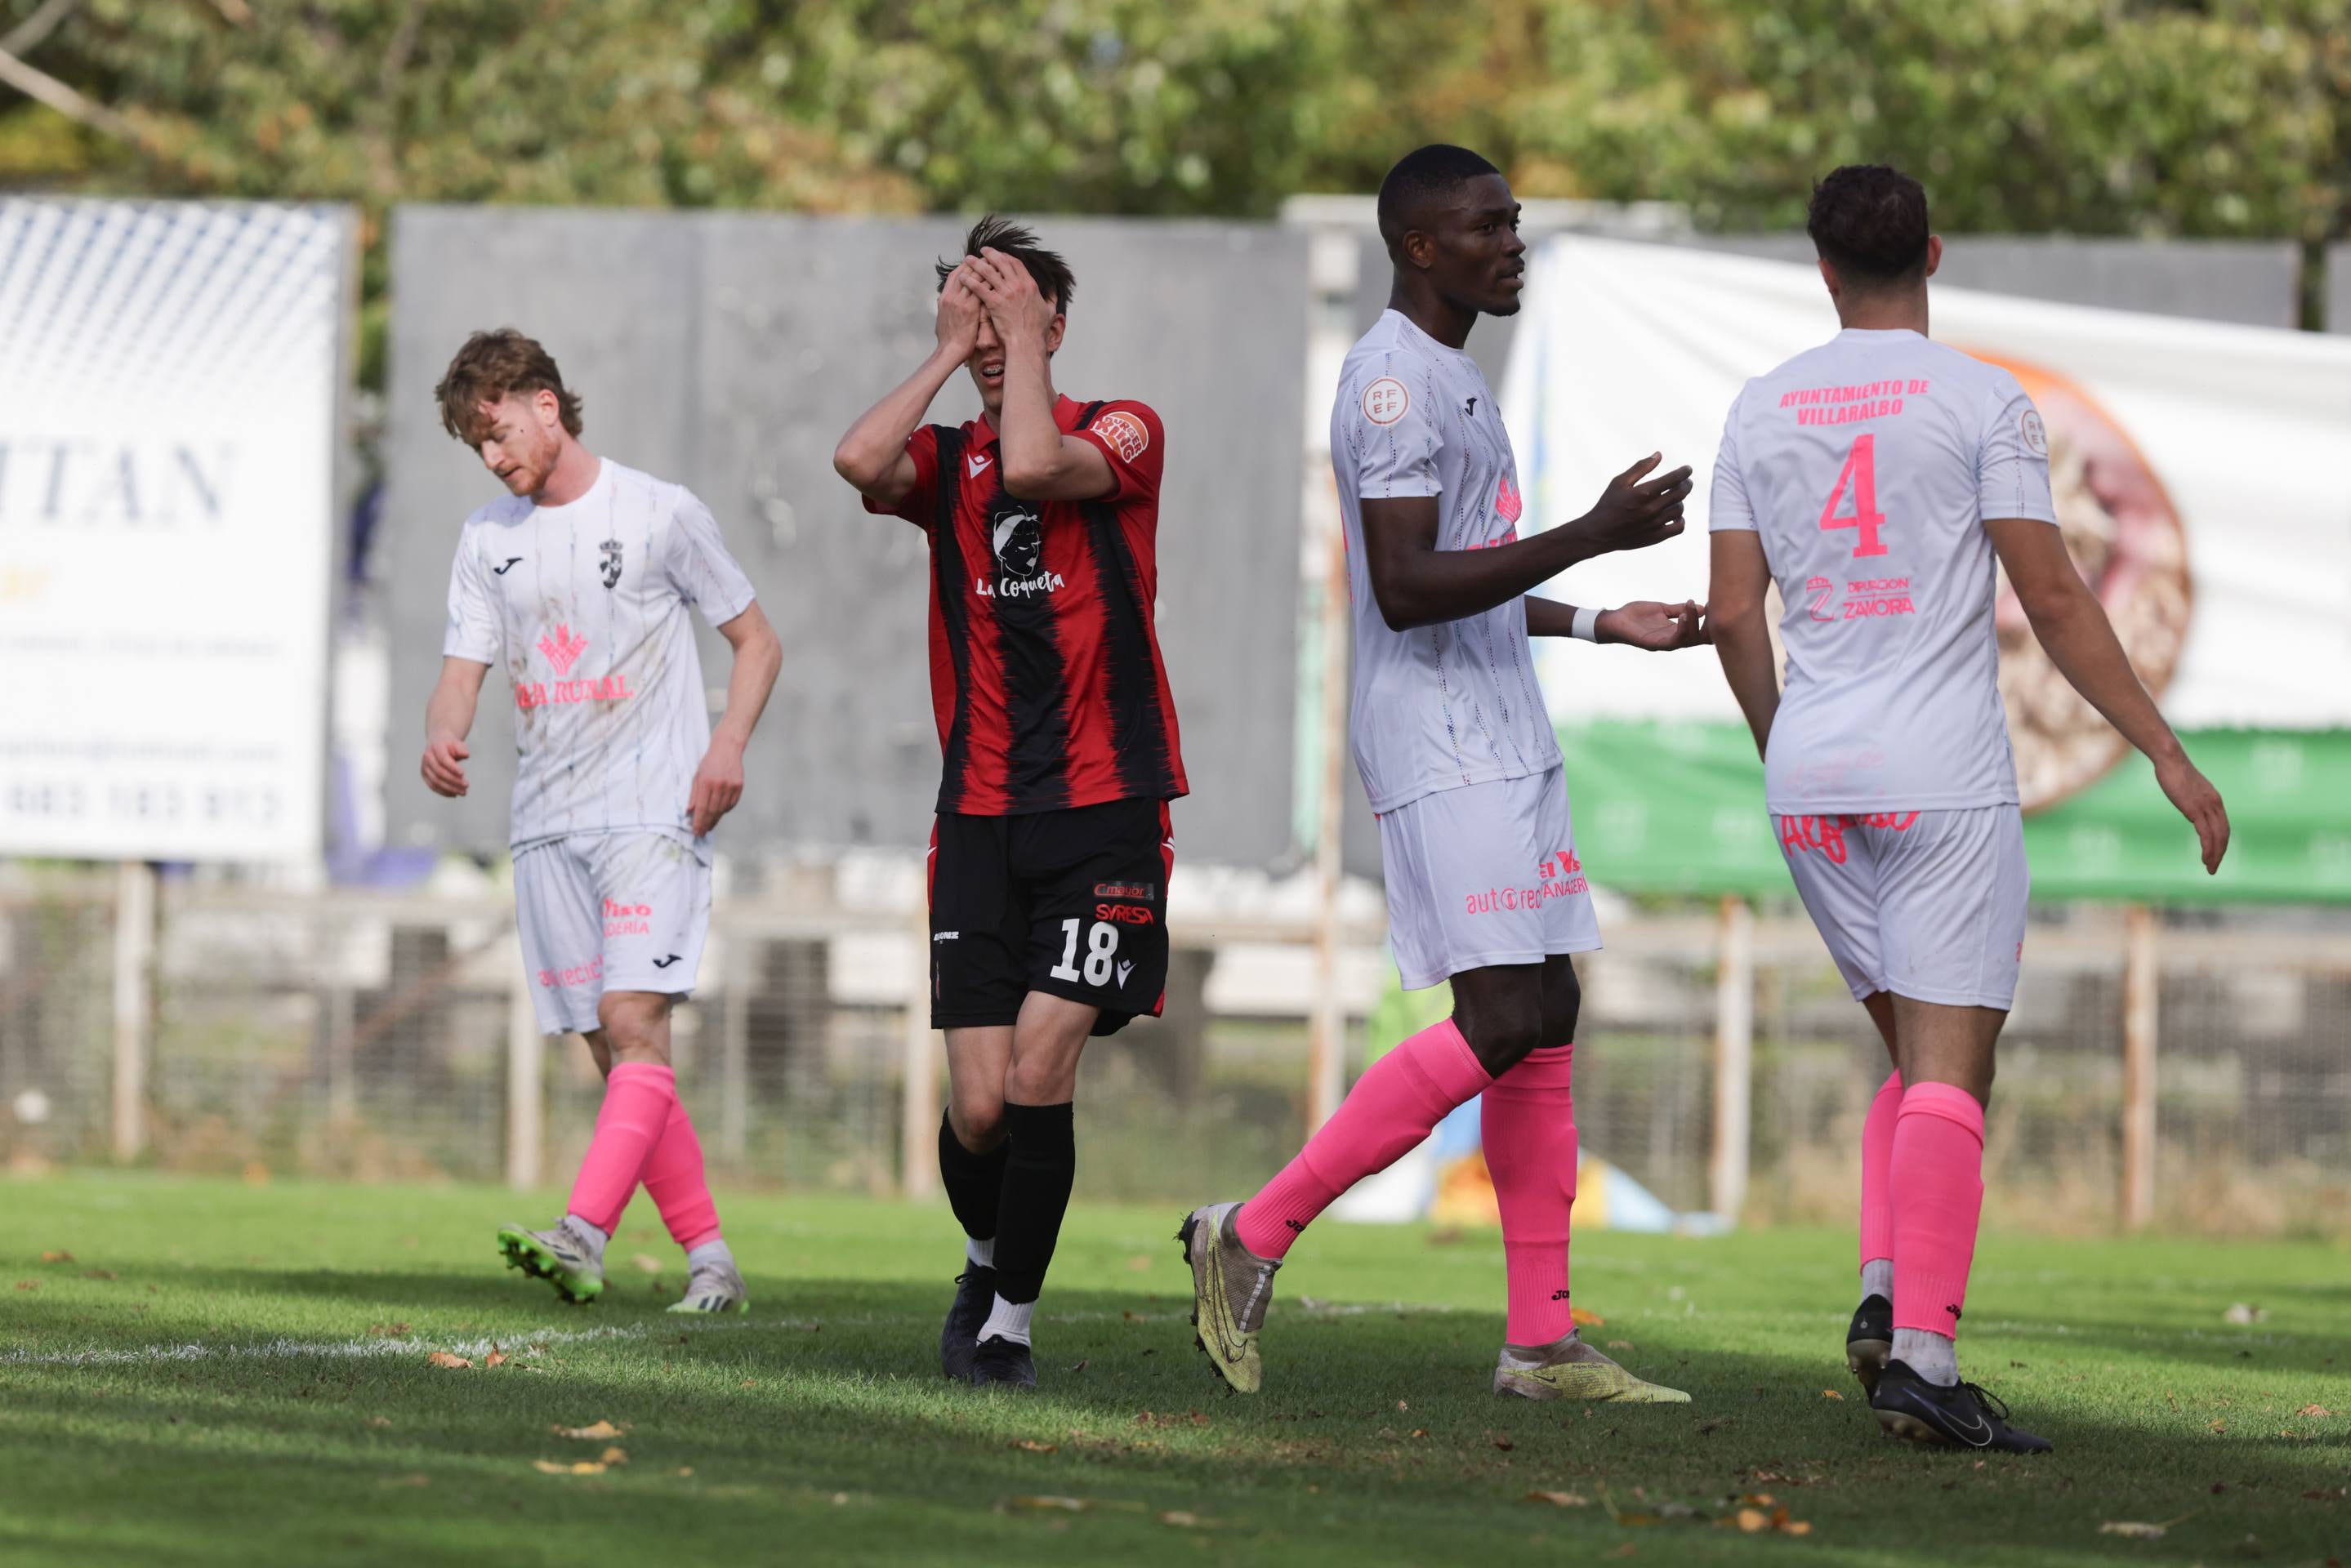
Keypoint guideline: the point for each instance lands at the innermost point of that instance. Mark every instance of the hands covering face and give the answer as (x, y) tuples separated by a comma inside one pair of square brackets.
[(1014, 307)]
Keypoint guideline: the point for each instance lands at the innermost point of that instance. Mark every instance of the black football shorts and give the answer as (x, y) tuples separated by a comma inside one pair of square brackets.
[(1072, 903)]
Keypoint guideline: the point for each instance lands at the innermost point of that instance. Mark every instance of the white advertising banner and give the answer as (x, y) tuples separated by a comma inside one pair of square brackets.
[(2203, 471), (169, 404)]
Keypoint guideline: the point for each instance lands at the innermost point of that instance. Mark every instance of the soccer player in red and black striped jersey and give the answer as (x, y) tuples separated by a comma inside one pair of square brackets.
[(1051, 852)]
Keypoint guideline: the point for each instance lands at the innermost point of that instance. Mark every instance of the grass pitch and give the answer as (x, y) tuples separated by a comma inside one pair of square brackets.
[(224, 1373)]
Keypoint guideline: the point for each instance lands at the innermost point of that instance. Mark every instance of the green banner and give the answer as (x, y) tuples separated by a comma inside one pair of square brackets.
[(1678, 808)]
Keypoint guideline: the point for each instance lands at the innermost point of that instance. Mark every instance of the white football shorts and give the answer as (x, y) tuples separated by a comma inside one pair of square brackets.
[(1483, 875), (608, 911), (1925, 904)]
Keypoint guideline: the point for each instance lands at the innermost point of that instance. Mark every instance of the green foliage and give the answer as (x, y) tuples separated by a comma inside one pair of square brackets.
[(2098, 116), (2155, 117)]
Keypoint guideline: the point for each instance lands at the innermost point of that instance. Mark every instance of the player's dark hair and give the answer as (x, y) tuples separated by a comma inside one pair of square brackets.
[(1423, 175), (1054, 279), (1870, 221), (490, 366)]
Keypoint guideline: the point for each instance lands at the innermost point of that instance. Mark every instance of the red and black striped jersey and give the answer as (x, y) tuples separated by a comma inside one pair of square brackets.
[(1045, 670)]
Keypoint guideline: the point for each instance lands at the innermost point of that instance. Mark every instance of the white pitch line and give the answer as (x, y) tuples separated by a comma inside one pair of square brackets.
[(376, 1346)]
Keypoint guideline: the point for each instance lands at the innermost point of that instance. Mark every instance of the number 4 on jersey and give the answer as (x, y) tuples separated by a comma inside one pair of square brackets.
[(1860, 471)]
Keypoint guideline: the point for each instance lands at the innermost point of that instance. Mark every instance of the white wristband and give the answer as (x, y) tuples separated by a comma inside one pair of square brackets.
[(1586, 624)]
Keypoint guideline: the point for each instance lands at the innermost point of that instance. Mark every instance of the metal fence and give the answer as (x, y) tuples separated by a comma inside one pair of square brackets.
[(384, 1037)]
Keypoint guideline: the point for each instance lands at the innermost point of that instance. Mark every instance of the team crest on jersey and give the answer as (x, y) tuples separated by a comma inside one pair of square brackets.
[(1017, 535), (611, 563), (1385, 400)]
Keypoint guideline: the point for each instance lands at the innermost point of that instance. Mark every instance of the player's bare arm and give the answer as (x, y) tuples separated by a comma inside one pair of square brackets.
[(2072, 627), (1418, 584), (759, 657), (873, 455), (1736, 621), (448, 720), (1643, 623), (1041, 462)]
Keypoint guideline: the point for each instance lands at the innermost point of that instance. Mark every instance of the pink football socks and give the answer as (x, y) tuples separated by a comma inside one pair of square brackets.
[(1391, 1108), (1528, 1120), (672, 1175), (1878, 1189), (638, 1098), (1938, 1169)]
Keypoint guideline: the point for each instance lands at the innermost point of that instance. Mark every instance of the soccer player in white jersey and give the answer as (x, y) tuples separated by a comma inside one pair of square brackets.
[(578, 585), (1875, 479), (1458, 753)]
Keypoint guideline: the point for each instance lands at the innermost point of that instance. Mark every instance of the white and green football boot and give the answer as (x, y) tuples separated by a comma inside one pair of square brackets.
[(556, 1256), (714, 1287)]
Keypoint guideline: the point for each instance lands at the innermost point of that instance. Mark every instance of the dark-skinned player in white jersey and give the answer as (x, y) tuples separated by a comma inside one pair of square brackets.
[(1877, 477), (1457, 752)]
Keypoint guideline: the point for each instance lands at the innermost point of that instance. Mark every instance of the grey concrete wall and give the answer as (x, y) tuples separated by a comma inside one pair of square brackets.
[(729, 352)]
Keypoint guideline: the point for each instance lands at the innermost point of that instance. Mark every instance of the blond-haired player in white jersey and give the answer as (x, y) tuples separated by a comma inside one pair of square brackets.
[(1456, 749), (580, 582), (1875, 479)]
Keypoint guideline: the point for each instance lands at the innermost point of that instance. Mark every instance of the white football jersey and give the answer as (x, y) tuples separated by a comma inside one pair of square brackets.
[(1868, 466), (1456, 703), (583, 609)]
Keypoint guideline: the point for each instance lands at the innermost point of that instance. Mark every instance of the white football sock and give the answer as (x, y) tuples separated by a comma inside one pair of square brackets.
[(1932, 1356), (979, 1255), (713, 1252), (1877, 1278), (1007, 1320), (586, 1235)]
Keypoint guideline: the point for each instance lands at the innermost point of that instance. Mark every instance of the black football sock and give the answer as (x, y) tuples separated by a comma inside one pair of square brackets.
[(1037, 1180), (975, 1182)]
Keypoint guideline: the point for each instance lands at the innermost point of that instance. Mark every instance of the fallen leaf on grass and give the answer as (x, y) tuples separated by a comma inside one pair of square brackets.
[(1138, 1263), (1049, 1504), (1628, 1550), (59, 1256), (595, 1432), (2313, 1410), (100, 1274), (613, 1457), (1832, 1393), (442, 1358), (577, 1468), (1031, 1446), (683, 1471), (1420, 1431), (2335, 1496), (1751, 1520), (1622, 1345), (1183, 1519), (28, 1284), (1560, 1499), (387, 1330), (1502, 1441), (1583, 1319), (1715, 1424), (2218, 1426), (2141, 1531), (2243, 1313), (1080, 1367), (379, 1421), (648, 1262)]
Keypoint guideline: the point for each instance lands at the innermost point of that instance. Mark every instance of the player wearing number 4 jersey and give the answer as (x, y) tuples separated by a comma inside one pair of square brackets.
[(580, 583), (1876, 479), (1456, 748), (1051, 853)]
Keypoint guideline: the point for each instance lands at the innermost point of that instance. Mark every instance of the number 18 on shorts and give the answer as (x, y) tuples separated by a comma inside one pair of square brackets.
[(1072, 903)]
